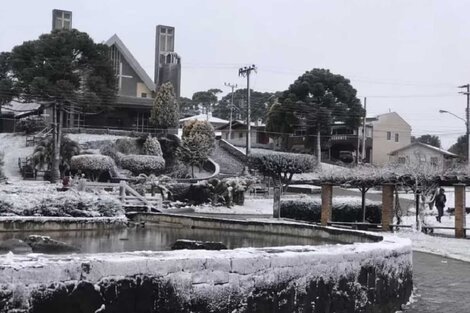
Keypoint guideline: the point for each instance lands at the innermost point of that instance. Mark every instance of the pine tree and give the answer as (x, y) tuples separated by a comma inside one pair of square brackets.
[(165, 111)]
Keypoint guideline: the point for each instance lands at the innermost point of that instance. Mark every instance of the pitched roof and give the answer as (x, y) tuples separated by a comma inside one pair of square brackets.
[(115, 40), (205, 117), (417, 143)]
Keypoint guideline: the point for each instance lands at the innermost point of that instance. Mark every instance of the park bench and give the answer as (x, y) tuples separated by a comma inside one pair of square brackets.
[(428, 229), (259, 190)]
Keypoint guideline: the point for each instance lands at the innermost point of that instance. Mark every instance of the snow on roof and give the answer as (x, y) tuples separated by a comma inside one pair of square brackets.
[(205, 117), (115, 40), (445, 152), (19, 108)]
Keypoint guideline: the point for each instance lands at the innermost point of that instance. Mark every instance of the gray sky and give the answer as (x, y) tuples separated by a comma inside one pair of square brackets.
[(405, 56)]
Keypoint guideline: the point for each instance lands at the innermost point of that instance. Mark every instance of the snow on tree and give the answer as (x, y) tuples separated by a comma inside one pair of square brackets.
[(282, 166), (197, 143), (152, 146), (165, 110)]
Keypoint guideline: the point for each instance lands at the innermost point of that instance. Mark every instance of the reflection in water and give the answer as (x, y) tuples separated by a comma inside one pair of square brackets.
[(158, 238)]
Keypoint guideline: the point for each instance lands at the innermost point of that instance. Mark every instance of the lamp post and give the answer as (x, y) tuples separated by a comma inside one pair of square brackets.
[(467, 133), (467, 112)]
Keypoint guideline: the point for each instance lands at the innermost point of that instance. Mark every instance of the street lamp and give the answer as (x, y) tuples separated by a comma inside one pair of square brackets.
[(466, 121), (467, 112)]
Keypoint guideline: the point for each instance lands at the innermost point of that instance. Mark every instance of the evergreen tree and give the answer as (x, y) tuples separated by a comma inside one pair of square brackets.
[(165, 110), (65, 70), (197, 143)]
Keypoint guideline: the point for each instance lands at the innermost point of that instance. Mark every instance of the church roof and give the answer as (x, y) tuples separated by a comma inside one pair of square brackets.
[(115, 40)]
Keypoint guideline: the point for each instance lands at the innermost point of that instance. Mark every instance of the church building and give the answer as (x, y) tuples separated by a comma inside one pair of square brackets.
[(136, 89)]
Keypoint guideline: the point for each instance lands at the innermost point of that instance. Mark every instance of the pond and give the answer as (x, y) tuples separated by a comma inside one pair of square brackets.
[(162, 237)]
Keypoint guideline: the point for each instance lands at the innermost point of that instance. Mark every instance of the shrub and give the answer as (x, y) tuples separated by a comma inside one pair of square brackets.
[(92, 165), (282, 166), (146, 164), (343, 210), (127, 146), (31, 125), (169, 145), (152, 146), (110, 150)]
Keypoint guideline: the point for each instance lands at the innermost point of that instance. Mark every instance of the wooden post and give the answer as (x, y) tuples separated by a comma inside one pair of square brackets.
[(326, 203), (387, 206), (460, 214), (277, 202), (122, 191)]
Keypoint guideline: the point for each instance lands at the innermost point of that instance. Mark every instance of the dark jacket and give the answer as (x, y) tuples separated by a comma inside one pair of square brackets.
[(440, 200)]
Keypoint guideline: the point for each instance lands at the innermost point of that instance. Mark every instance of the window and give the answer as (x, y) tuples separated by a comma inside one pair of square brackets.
[(402, 160), (240, 135), (434, 161), (389, 135), (143, 95), (397, 137)]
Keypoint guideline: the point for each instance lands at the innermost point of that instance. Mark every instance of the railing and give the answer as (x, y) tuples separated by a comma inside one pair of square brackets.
[(37, 138), (126, 194)]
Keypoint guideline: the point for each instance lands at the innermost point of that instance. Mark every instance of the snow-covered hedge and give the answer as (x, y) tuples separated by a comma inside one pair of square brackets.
[(147, 164), (152, 146), (345, 209), (110, 150), (47, 201), (92, 162), (283, 162)]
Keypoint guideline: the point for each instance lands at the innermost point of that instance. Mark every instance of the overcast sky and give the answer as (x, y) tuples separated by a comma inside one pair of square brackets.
[(404, 56)]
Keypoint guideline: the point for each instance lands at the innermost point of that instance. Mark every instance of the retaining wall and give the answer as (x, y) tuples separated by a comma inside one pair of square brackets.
[(360, 277)]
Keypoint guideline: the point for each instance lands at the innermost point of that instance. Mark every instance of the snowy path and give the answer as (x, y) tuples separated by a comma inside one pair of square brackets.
[(441, 285), (14, 147)]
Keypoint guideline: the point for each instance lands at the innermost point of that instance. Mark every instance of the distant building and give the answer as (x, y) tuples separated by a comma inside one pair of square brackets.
[(214, 121), (259, 137), (61, 19), (167, 61), (418, 152)]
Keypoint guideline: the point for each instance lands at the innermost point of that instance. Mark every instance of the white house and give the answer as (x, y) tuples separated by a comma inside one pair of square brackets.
[(423, 153)]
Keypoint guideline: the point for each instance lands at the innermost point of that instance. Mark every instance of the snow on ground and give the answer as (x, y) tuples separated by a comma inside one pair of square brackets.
[(251, 207), (83, 138), (13, 146)]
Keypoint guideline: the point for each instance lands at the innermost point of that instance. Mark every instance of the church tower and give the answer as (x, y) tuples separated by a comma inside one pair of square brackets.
[(167, 61), (61, 19)]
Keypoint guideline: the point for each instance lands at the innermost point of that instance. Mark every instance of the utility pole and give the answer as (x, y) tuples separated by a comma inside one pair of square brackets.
[(245, 72), (467, 118), (364, 131), (233, 86)]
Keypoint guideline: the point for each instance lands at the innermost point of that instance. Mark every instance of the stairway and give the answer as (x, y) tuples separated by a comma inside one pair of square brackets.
[(229, 165)]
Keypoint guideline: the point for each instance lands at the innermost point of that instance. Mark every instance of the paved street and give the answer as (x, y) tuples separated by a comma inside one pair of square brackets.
[(441, 285)]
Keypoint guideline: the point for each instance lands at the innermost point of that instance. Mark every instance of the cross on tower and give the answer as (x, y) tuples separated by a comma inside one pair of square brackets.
[(61, 19)]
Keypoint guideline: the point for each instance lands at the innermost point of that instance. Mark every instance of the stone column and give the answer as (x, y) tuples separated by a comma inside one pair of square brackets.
[(387, 206), (277, 202), (460, 216), (326, 203)]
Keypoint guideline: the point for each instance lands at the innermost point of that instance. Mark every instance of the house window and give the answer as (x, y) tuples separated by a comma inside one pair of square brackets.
[(240, 135), (402, 160), (389, 135), (143, 95), (397, 137), (434, 161)]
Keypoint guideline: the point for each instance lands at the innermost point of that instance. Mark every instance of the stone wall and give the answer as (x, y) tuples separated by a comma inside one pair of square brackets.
[(360, 277)]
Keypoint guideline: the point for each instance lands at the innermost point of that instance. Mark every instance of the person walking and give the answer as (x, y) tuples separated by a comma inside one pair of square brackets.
[(440, 203)]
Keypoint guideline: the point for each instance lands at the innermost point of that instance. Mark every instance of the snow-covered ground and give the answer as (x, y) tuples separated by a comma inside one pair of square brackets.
[(83, 138), (13, 146)]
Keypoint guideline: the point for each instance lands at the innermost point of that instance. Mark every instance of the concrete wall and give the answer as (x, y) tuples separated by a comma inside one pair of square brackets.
[(381, 146), (364, 277)]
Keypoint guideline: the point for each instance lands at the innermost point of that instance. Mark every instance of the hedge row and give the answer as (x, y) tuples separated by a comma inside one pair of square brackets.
[(342, 211), (147, 164)]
